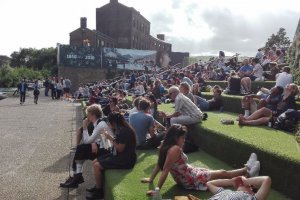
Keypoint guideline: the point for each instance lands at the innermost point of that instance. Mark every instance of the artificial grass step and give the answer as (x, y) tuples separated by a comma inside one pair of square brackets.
[(126, 185), (255, 85), (278, 151), (232, 103), (267, 139), (273, 141)]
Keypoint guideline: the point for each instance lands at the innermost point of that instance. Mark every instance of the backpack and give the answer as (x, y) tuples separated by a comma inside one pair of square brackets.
[(287, 121)]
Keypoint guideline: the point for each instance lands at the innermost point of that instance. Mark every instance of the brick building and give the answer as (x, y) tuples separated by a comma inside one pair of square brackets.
[(119, 26)]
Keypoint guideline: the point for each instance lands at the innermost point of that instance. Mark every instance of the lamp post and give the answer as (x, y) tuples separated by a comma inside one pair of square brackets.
[(102, 44)]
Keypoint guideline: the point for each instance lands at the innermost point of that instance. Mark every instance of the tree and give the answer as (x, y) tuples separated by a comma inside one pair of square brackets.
[(280, 39), (36, 59)]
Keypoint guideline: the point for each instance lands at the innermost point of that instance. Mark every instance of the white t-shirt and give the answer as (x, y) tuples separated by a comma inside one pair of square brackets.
[(283, 79), (140, 88), (258, 71), (96, 135)]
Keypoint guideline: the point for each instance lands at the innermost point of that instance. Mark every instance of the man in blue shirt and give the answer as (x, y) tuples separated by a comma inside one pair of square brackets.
[(246, 69), (22, 87), (186, 79), (143, 123)]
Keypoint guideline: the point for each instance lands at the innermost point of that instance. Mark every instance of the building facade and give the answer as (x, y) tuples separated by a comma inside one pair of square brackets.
[(119, 26)]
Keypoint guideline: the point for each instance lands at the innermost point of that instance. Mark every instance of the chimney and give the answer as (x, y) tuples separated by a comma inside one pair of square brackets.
[(161, 37), (114, 1), (83, 22)]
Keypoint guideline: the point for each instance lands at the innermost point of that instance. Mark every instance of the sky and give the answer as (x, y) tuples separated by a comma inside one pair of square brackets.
[(201, 27)]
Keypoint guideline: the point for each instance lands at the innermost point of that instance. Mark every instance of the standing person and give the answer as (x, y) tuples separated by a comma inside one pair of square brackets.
[(68, 85), (22, 87), (36, 91), (47, 86), (132, 80), (59, 89), (123, 156), (53, 88)]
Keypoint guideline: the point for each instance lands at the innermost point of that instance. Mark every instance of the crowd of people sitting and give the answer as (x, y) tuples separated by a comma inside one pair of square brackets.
[(114, 128)]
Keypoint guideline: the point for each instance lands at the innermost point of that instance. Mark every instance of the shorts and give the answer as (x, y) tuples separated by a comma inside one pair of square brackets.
[(109, 161), (67, 90), (36, 92), (252, 78)]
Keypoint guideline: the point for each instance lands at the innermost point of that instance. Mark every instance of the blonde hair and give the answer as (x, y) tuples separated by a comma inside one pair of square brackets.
[(295, 89), (95, 109)]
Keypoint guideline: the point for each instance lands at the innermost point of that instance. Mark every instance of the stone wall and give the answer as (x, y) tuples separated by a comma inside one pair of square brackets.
[(79, 75)]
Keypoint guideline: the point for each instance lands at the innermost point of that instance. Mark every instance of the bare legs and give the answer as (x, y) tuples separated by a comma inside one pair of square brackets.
[(246, 84), (259, 117), (78, 136), (223, 174), (98, 169)]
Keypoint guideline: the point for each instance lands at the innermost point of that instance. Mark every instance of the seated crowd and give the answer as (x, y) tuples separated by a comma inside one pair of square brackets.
[(114, 129)]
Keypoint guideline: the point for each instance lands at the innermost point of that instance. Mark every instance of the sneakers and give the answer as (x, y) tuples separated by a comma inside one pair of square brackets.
[(91, 190), (254, 171), (253, 165), (76, 180), (251, 160)]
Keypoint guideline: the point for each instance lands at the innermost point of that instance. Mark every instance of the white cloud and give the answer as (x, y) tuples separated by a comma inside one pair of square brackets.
[(197, 26)]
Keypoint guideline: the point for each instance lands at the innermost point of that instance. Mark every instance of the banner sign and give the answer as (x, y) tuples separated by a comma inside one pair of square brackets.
[(129, 59)]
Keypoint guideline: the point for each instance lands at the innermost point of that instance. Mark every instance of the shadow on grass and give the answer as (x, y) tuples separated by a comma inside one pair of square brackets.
[(177, 190)]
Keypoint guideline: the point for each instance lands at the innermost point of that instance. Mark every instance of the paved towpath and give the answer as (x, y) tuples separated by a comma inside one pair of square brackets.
[(34, 148)]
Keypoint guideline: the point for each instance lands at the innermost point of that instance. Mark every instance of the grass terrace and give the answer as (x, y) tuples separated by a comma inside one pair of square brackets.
[(126, 185), (278, 151)]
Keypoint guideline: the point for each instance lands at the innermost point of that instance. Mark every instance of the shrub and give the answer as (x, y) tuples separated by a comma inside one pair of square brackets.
[(6, 77), (9, 77)]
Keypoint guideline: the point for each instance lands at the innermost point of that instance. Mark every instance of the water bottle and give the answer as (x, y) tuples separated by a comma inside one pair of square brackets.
[(156, 195)]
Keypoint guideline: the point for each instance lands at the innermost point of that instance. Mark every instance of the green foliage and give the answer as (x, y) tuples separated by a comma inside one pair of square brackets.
[(9, 77), (37, 59), (294, 61), (6, 77), (4, 60), (280, 39)]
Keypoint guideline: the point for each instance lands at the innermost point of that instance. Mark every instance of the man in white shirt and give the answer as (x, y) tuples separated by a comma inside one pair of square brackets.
[(186, 112), (284, 78), (257, 72), (92, 145)]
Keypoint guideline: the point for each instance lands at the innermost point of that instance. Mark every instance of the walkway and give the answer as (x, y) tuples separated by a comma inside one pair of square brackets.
[(34, 148)]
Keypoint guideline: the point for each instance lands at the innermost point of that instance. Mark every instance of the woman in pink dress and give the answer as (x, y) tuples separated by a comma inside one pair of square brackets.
[(173, 160)]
